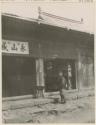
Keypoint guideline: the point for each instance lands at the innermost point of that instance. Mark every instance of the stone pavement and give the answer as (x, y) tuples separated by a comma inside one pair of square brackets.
[(22, 111), (12, 105), (74, 111), (30, 102)]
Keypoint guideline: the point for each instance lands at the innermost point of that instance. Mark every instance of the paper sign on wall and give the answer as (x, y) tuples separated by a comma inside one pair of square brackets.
[(15, 47)]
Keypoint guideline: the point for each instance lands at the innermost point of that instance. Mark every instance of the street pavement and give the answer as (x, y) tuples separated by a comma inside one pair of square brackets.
[(80, 110)]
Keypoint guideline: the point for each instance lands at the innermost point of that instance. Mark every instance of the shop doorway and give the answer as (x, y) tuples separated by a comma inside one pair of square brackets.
[(18, 76), (52, 67)]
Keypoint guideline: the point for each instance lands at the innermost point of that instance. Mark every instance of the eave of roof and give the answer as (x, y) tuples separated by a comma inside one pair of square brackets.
[(40, 21)]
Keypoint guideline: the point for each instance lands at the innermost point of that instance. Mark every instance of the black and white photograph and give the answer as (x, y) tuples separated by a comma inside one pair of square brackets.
[(48, 73)]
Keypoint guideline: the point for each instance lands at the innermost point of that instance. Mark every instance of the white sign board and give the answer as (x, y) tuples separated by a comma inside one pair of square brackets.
[(15, 47)]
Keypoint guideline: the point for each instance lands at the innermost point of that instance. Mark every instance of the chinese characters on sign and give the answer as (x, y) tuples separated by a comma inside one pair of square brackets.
[(15, 47)]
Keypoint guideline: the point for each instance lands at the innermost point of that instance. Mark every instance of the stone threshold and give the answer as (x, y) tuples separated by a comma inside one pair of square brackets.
[(47, 94)]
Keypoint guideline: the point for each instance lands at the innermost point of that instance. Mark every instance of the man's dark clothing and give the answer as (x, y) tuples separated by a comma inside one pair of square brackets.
[(62, 88), (62, 83)]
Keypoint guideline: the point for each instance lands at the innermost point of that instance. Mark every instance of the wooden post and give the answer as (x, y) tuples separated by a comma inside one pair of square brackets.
[(76, 73), (79, 71), (40, 77)]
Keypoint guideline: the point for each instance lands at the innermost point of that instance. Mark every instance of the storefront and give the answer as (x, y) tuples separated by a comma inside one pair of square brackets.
[(18, 69), (33, 54), (52, 69), (19, 75)]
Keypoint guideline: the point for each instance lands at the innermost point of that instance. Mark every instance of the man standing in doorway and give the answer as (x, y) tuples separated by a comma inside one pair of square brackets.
[(62, 86), (69, 77)]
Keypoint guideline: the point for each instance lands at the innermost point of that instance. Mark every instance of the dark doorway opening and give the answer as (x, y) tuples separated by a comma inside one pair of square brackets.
[(18, 75), (52, 67)]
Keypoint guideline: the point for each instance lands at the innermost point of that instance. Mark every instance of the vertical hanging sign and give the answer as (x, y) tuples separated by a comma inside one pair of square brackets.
[(15, 47)]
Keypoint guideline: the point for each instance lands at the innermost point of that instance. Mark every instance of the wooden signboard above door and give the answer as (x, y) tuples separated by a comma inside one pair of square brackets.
[(15, 47)]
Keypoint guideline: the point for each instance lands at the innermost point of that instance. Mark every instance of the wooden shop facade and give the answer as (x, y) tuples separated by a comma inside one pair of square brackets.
[(34, 53)]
